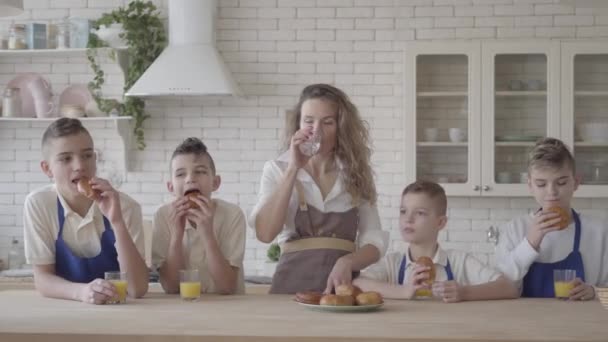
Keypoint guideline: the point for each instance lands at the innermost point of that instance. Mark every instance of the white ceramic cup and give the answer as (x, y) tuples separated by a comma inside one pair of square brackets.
[(457, 134), (504, 177), (431, 134)]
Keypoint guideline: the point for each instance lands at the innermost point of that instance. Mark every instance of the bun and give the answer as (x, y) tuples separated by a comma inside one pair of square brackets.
[(84, 187), (193, 193), (335, 300), (369, 298), (428, 262), (309, 297), (347, 290), (563, 215)]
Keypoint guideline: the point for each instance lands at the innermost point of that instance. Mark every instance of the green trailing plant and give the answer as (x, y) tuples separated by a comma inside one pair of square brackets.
[(145, 35), (274, 252)]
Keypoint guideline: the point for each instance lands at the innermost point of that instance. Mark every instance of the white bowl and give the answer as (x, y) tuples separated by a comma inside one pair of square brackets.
[(593, 131)]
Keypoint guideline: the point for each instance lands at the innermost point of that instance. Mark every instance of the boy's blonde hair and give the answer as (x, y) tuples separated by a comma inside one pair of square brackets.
[(353, 147), (433, 190), (551, 153)]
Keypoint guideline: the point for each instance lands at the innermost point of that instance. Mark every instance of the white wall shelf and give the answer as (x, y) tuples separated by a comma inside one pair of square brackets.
[(515, 143), (442, 144), (591, 144), (442, 94), (591, 93), (521, 93)]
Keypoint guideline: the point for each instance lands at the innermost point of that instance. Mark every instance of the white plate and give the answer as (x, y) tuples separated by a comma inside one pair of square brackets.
[(335, 308)]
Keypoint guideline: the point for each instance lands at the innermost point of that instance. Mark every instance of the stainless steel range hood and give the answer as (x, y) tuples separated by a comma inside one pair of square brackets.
[(190, 65)]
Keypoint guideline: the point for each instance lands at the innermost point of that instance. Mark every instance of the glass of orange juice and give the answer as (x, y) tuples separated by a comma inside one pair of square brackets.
[(563, 283), (119, 279), (189, 285)]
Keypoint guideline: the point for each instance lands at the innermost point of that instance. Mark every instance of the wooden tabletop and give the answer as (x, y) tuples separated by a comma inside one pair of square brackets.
[(27, 316)]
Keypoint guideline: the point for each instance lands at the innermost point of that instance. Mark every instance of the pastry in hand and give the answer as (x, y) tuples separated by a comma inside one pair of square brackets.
[(347, 290), (192, 193), (563, 215), (428, 262), (84, 187), (335, 300), (309, 297), (369, 298)]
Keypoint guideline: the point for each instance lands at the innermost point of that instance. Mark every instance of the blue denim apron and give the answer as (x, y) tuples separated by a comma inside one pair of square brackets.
[(538, 282), (85, 270)]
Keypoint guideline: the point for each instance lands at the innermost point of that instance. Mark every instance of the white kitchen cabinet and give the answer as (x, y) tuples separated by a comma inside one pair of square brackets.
[(584, 108), (504, 94)]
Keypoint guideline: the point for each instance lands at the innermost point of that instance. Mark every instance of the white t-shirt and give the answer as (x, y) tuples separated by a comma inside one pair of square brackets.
[(466, 269), (81, 234), (229, 230), (515, 255), (337, 200)]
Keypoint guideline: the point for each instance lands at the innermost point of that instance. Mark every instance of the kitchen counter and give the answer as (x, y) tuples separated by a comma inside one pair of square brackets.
[(26, 316)]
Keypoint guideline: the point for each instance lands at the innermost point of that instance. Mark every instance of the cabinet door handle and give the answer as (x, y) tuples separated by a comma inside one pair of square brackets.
[(476, 188), (486, 188)]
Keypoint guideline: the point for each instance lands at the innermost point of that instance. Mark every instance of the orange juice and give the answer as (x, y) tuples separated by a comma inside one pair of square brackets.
[(562, 289), (423, 293), (121, 292), (190, 290)]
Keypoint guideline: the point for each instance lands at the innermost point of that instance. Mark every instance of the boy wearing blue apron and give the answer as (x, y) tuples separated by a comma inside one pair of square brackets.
[(459, 275), (71, 239), (532, 247)]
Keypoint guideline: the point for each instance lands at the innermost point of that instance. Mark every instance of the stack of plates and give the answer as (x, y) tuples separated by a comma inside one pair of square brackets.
[(602, 293)]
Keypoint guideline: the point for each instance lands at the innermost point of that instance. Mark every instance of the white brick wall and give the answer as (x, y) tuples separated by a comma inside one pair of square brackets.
[(274, 48)]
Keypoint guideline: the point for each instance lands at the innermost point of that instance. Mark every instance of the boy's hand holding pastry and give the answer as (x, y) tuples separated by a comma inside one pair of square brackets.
[(202, 213), (177, 216), (417, 280), (107, 198), (543, 222)]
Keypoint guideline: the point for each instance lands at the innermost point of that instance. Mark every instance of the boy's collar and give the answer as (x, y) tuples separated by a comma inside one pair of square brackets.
[(440, 257), (67, 210)]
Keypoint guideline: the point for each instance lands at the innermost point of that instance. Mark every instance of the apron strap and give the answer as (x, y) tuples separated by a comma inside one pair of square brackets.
[(60, 215), (577, 231), (301, 198), (318, 243)]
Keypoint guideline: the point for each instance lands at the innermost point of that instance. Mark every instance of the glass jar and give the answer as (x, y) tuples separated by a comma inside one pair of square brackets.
[(16, 37), (11, 102), (63, 35)]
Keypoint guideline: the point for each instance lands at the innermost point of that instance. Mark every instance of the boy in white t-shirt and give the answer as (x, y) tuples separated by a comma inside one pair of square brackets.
[(195, 231), (459, 275), (531, 247), (72, 239)]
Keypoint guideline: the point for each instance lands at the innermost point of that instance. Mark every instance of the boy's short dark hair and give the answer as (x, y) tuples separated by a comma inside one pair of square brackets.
[(62, 127), (551, 153), (194, 146), (432, 190)]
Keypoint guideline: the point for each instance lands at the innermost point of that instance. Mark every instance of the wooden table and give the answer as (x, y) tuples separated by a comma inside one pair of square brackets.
[(26, 316)]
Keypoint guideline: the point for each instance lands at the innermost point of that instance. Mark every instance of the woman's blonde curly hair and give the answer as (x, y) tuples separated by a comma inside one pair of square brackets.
[(353, 142)]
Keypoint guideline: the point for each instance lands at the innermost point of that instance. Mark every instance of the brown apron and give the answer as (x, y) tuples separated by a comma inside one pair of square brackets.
[(308, 256)]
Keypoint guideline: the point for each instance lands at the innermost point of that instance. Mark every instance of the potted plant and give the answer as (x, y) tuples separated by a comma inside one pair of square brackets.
[(273, 253), (144, 34)]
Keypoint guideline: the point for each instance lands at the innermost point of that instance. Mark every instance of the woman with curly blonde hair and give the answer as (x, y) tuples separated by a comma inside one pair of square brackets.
[(319, 196)]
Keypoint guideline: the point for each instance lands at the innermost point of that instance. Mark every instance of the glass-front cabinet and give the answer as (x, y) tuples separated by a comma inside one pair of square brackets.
[(442, 110), (520, 104), (473, 110), (585, 112)]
